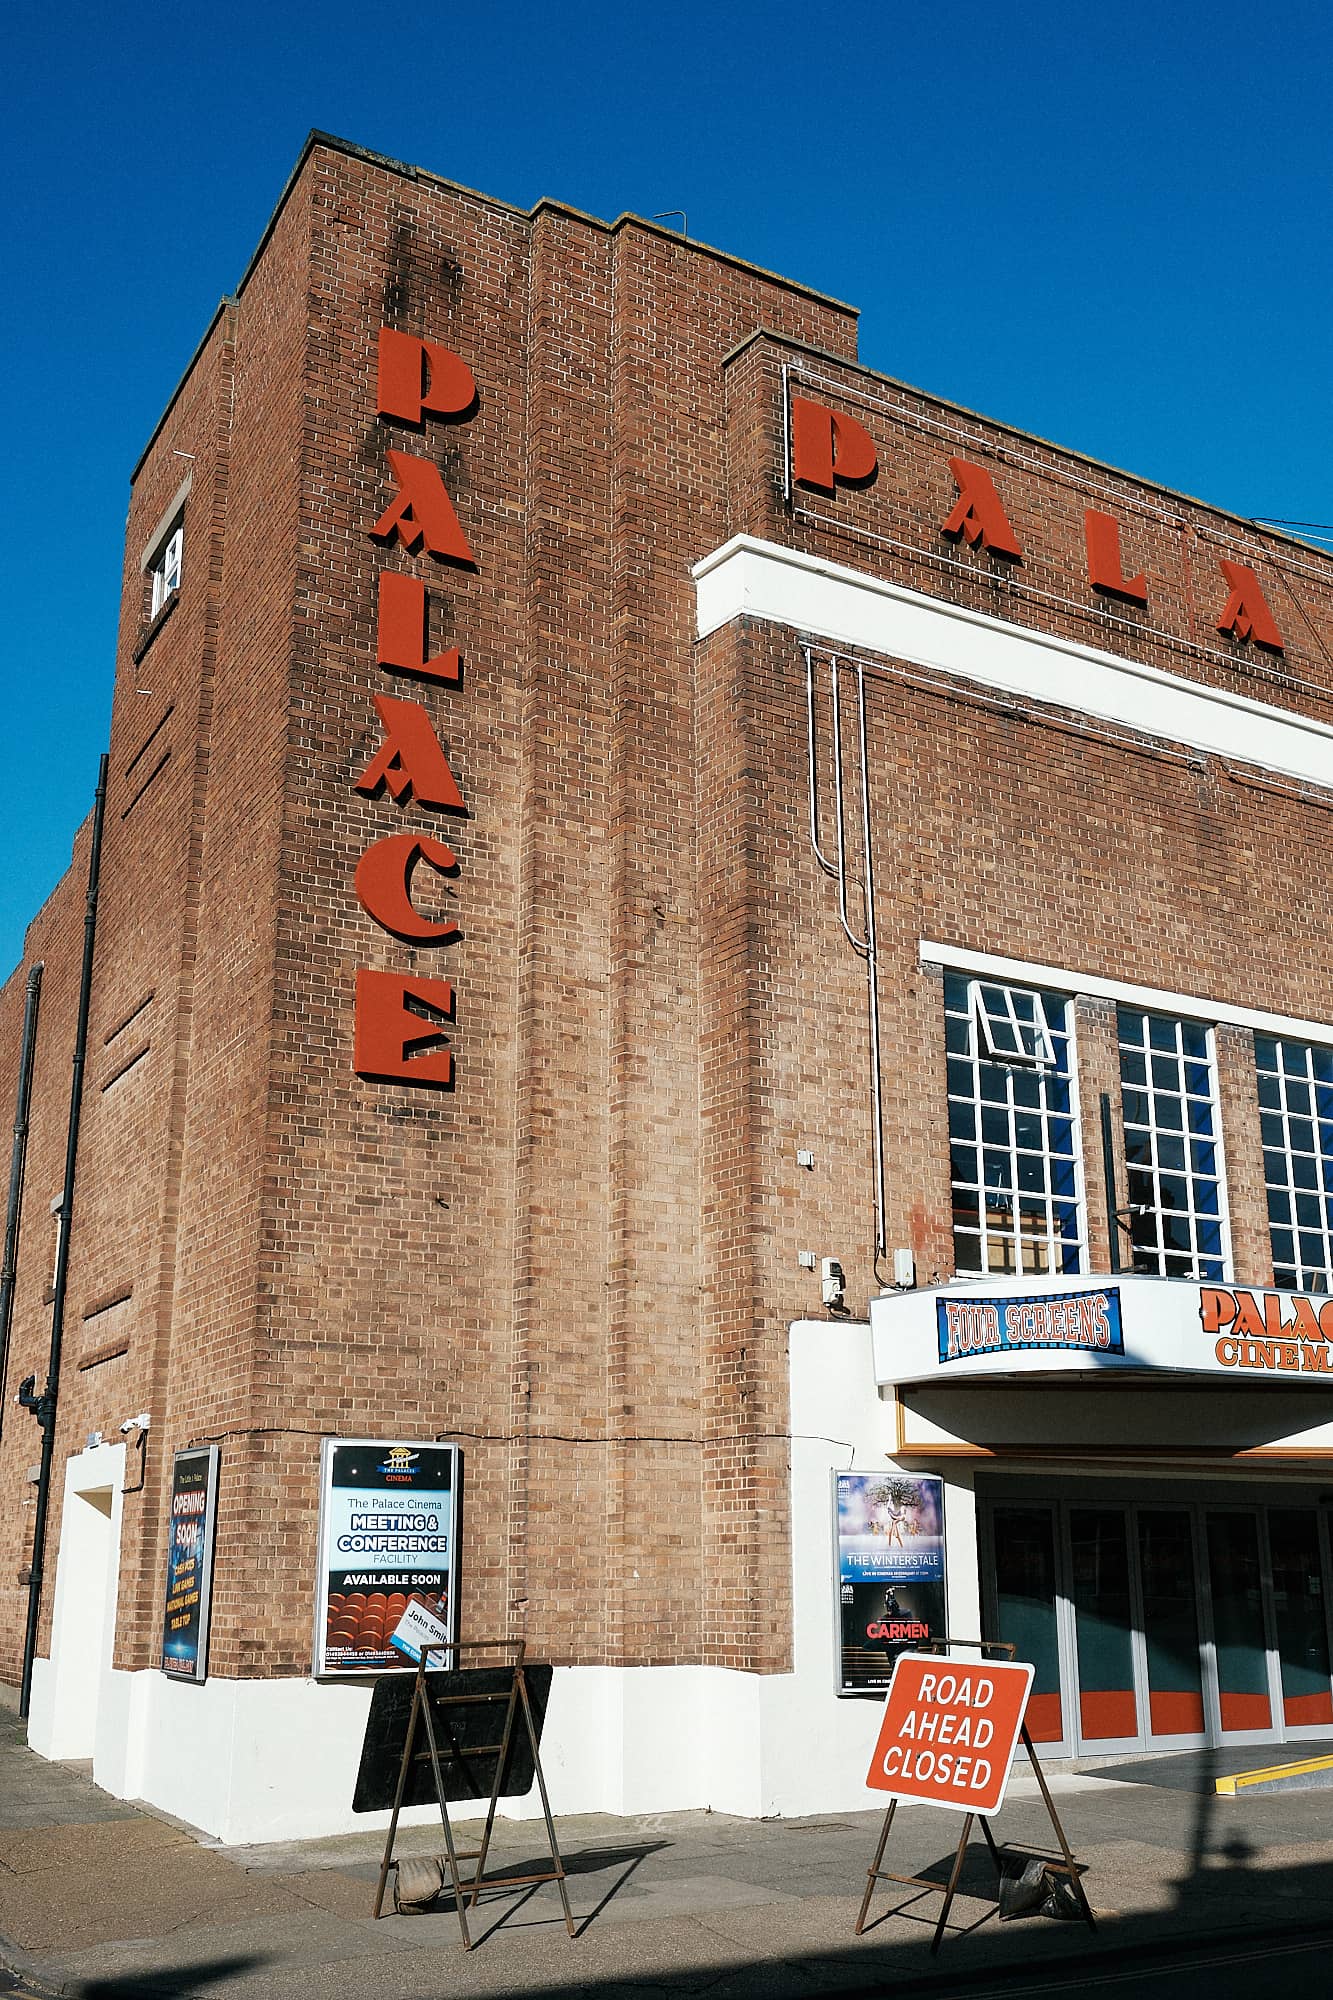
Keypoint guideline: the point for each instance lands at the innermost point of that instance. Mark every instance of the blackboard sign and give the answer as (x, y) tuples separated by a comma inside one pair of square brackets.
[(467, 1736), (190, 1524)]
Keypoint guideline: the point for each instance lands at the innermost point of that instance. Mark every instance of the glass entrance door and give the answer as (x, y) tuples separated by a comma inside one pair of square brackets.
[(1240, 1629), (1301, 1618), (1023, 1565), (1164, 1624), (1172, 1663), (1103, 1625)]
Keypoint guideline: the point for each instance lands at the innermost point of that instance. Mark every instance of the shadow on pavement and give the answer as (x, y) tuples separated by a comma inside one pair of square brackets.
[(586, 1861), (182, 1984)]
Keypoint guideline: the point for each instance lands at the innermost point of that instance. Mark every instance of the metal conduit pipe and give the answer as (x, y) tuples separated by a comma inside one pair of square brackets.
[(43, 1407), (865, 946), (17, 1161), (872, 982)]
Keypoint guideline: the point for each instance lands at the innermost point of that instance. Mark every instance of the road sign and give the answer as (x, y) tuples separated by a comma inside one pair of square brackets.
[(950, 1730)]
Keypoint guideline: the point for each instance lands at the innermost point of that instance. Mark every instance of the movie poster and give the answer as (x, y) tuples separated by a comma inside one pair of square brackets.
[(191, 1521), (889, 1532), (388, 1537)]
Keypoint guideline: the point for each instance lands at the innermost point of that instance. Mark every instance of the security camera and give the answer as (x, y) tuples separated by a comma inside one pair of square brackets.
[(833, 1283), (139, 1423)]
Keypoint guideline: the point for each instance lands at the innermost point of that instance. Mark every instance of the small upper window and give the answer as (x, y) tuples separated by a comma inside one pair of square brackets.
[(165, 568), (1012, 1025)]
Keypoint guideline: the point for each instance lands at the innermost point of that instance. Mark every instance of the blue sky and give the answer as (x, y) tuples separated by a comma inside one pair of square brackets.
[(1109, 226)]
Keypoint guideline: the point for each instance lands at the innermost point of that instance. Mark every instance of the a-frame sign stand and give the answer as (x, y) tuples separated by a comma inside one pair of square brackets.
[(430, 1707), (1068, 1867)]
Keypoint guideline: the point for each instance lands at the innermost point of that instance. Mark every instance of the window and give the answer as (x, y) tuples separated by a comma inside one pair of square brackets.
[(1013, 1130), (1168, 1092), (165, 568), (1011, 1022), (1295, 1084)]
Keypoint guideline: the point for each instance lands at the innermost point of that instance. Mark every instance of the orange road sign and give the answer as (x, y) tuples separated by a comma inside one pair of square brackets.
[(949, 1732)]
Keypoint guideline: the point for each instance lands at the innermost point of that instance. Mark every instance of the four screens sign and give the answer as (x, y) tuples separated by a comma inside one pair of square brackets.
[(1074, 1320), (192, 1520), (388, 1537), (949, 1732), (890, 1557)]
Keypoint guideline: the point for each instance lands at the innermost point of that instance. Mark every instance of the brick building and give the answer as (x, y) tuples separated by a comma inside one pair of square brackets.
[(652, 880)]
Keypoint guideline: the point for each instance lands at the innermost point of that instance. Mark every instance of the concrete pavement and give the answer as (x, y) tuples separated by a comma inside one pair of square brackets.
[(103, 1901)]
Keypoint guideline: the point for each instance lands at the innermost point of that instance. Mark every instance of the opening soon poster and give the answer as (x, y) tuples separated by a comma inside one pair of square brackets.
[(889, 1532), (191, 1521), (388, 1537)]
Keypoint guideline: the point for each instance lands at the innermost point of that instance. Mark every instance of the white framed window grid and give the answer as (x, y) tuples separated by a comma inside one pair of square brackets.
[(165, 569), (1014, 1142), (1173, 1148), (1295, 1086)]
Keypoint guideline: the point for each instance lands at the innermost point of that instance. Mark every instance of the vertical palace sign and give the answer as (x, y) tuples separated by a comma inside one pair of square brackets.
[(401, 1019)]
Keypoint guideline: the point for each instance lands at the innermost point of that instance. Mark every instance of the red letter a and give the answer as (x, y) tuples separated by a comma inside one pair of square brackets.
[(422, 510), (410, 760), (1246, 613), (977, 513)]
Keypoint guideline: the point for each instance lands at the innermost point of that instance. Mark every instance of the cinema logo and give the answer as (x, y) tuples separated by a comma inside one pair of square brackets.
[(1255, 1334), (401, 1020), (830, 449)]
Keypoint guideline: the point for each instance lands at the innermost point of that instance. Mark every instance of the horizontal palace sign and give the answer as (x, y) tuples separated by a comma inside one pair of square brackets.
[(992, 1329)]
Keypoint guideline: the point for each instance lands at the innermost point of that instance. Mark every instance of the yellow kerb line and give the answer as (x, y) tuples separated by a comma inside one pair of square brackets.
[(1231, 1786)]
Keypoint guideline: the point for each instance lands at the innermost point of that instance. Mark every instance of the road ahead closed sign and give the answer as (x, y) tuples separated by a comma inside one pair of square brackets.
[(949, 1731)]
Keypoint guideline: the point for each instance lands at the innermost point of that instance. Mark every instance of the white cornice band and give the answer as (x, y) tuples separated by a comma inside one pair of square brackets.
[(748, 578)]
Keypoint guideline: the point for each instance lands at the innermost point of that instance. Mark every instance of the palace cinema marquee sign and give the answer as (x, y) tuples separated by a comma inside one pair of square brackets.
[(1102, 1327)]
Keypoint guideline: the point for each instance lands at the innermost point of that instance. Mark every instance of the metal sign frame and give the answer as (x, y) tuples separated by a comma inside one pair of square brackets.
[(1067, 1866), (431, 1567), (198, 1672), (425, 1705), (842, 1687)]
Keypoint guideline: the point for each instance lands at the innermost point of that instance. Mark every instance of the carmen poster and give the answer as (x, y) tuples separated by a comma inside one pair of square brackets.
[(388, 1536), (889, 1532), (192, 1520)]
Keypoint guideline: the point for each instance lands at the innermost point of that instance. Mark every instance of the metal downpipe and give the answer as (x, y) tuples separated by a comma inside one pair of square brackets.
[(17, 1161), (44, 1406)]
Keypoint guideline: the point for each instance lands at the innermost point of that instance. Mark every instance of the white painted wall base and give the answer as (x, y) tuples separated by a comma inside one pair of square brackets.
[(252, 1761)]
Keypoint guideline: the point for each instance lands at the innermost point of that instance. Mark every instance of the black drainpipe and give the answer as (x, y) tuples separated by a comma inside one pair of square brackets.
[(14, 1210), (43, 1407)]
